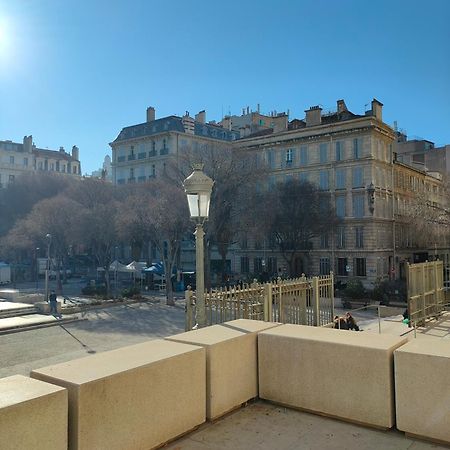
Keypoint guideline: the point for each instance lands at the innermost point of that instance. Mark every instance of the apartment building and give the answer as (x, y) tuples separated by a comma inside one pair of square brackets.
[(351, 157), (147, 150), (19, 158), (423, 154)]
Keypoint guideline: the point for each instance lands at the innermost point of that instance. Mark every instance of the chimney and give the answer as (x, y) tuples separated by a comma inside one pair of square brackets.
[(61, 149), (150, 114), (75, 153), (377, 109), (341, 106), (313, 116), (28, 144), (188, 123), (201, 116)]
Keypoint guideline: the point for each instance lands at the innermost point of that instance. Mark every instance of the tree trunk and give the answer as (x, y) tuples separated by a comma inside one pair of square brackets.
[(107, 283), (169, 289)]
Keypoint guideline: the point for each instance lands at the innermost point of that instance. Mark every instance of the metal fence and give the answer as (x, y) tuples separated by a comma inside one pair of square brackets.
[(425, 285), (304, 301)]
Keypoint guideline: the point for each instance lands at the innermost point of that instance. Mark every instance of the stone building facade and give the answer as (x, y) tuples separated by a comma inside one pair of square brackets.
[(147, 150), (352, 158), (19, 158)]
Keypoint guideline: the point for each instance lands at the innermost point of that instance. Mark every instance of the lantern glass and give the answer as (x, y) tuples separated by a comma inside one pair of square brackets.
[(199, 205)]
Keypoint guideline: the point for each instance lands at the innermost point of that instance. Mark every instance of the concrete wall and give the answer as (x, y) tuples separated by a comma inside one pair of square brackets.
[(422, 385), (135, 397), (339, 373), (231, 362), (33, 415)]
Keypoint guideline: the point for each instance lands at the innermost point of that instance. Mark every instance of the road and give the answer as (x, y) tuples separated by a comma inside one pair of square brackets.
[(101, 330)]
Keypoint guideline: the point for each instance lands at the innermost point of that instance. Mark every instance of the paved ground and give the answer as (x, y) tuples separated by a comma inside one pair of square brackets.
[(264, 426), (104, 329)]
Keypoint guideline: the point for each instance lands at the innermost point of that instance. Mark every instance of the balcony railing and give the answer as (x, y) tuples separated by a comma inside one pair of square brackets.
[(131, 157), (121, 181), (151, 153), (120, 158), (131, 180), (142, 179), (142, 155), (164, 151)]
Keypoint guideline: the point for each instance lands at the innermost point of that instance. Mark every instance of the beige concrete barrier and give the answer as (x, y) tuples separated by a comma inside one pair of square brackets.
[(33, 415), (422, 389), (135, 397), (339, 373), (231, 362)]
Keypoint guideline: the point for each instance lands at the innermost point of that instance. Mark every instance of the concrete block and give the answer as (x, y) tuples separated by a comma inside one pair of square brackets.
[(135, 397), (33, 415), (338, 373), (231, 362), (422, 388)]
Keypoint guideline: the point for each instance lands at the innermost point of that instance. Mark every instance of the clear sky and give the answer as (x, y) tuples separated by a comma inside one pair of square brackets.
[(77, 71)]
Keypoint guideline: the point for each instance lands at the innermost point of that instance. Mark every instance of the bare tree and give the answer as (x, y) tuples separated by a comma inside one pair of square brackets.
[(298, 213), (56, 216), (98, 220), (19, 198), (168, 224), (235, 175)]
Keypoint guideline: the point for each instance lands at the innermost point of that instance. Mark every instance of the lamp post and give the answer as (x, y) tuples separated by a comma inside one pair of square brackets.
[(198, 188), (37, 269), (48, 238)]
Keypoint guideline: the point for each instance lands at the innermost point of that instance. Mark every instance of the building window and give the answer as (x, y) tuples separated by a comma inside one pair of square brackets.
[(271, 159), (358, 205), (342, 267), (357, 177), (11, 159), (257, 265), (324, 266), (303, 177), (360, 267), (303, 155), (340, 206), (11, 178), (324, 184), (63, 169), (289, 156), (357, 148), (323, 153), (244, 243), (359, 237), (153, 170), (340, 178), (339, 151), (25, 162), (40, 165), (340, 237), (324, 240), (52, 167), (272, 265), (245, 266)]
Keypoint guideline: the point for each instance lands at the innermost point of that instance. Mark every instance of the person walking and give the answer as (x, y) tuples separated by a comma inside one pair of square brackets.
[(53, 303)]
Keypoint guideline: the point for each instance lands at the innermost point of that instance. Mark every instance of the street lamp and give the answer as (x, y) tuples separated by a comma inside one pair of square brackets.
[(198, 188), (37, 268), (48, 238)]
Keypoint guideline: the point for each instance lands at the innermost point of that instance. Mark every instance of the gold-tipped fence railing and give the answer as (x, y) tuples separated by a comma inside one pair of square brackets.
[(426, 296), (304, 301)]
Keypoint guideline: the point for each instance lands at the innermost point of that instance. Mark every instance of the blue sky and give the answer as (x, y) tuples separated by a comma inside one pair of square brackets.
[(77, 71)]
